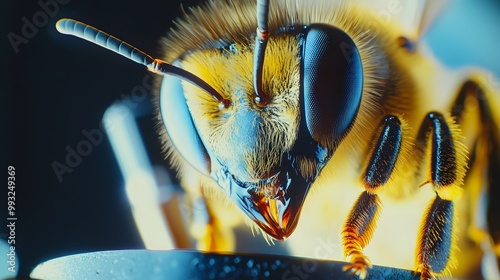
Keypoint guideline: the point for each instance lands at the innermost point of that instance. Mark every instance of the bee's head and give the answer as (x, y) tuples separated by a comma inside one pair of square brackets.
[(273, 116), (269, 145)]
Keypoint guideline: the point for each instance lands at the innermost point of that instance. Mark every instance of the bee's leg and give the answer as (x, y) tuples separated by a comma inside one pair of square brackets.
[(360, 224), (474, 109), (210, 232), (357, 232), (447, 169)]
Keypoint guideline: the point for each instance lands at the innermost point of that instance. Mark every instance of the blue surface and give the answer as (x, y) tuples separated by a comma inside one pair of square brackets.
[(180, 264)]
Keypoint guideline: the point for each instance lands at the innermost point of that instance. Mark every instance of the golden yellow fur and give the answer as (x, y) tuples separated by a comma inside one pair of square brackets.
[(386, 88)]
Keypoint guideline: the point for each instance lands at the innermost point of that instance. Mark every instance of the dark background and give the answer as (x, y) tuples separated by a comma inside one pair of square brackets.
[(56, 86)]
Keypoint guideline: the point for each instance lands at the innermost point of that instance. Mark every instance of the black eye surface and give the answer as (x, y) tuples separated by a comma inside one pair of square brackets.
[(179, 124), (332, 82)]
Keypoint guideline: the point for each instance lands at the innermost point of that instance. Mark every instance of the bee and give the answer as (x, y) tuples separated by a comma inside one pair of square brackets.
[(310, 117)]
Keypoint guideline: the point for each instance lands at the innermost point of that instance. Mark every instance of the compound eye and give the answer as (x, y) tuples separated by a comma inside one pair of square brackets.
[(333, 82), (179, 125)]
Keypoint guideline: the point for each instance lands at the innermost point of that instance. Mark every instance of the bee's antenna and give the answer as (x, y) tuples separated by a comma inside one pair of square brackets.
[(260, 48), (96, 36)]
